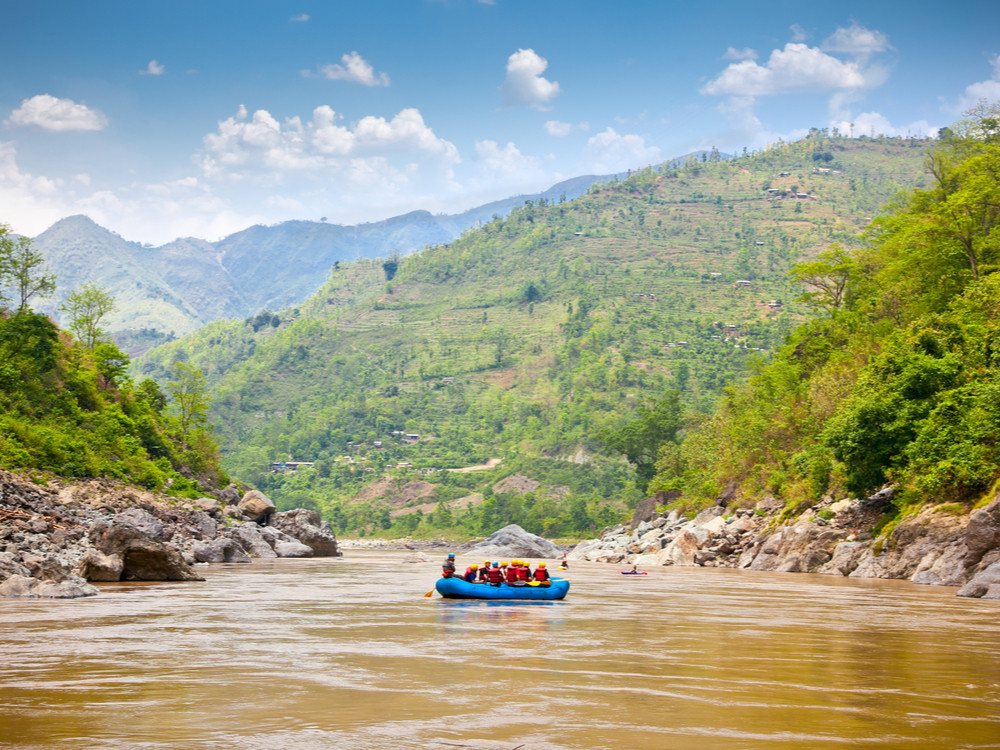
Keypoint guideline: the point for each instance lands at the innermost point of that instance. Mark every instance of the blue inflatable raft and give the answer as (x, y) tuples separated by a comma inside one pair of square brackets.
[(456, 588)]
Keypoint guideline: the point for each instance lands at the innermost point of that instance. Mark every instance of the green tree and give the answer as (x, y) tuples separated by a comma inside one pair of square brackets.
[(22, 268), (188, 390), (86, 308), (640, 439), (827, 276)]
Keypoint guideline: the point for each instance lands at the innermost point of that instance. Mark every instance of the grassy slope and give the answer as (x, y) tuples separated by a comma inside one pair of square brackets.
[(363, 358)]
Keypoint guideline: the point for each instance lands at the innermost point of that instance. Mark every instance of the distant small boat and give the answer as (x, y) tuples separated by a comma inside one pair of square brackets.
[(457, 588), (633, 572)]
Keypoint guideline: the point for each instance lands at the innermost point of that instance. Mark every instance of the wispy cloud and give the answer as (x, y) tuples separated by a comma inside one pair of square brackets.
[(353, 68), (301, 18), (154, 68), (57, 115)]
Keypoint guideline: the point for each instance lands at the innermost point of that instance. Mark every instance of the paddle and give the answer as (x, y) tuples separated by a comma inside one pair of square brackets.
[(429, 593)]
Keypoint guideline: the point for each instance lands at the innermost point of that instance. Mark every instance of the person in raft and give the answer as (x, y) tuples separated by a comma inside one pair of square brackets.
[(470, 573), (484, 572), (448, 569), (495, 575), (511, 574), (523, 571), (542, 575)]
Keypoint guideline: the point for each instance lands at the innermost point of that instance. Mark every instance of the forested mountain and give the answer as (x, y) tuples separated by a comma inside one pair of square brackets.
[(897, 379), (169, 291), (533, 339)]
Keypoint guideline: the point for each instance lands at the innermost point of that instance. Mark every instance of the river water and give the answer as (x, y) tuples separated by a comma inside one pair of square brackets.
[(348, 653)]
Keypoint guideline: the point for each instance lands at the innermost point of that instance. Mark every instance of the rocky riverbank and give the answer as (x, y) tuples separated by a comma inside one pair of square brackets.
[(58, 538), (941, 545)]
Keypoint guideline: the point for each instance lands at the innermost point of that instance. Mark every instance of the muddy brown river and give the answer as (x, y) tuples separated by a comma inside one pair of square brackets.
[(348, 653)]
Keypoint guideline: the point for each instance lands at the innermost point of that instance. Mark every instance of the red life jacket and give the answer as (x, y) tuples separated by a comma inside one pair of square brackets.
[(484, 574), (523, 573), (511, 574), (470, 575), (496, 575), (541, 574)]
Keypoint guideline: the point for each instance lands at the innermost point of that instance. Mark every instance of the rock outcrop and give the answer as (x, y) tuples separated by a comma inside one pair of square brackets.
[(935, 546), (513, 541), (56, 539), (308, 528)]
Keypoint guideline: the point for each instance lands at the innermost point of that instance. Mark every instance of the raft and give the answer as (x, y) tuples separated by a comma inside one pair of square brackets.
[(456, 588)]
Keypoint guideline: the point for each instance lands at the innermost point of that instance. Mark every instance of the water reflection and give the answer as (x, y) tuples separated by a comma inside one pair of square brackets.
[(326, 654)]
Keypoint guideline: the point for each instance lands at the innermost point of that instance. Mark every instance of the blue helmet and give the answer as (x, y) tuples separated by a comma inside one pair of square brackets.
[(451, 554), (496, 564)]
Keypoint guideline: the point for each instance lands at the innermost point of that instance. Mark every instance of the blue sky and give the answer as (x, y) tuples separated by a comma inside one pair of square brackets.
[(161, 120)]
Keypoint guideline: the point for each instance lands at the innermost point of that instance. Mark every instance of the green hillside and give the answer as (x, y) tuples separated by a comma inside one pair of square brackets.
[(528, 338), (896, 381)]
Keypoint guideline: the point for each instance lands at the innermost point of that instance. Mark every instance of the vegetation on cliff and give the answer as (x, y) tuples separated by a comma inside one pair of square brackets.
[(69, 407), (898, 379)]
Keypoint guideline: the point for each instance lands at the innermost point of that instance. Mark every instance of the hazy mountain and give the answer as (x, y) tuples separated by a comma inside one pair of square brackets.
[(172, 290)]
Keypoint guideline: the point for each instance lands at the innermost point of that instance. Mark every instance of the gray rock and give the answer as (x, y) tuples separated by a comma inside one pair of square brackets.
[(221, 550), (96, 566), (206, 504), (255, 505), (143, 558), (201, 525), (230, 495), (681, 551), (982, 533), (513, 541), (33, 588), (142, 520), (293, 549), (982, 582), (252, 542), (992, 591), (308, 528), (845, 558)]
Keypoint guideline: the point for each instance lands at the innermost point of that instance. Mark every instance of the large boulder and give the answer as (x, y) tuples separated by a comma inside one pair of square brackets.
[(981, 584), (293, 549), (248, 536), (307, 527), (34, 588), (513, 541), (144, 521), (230, 495), (255, 505), (96, 566), (143, 558), (221, 550), (982, 533)]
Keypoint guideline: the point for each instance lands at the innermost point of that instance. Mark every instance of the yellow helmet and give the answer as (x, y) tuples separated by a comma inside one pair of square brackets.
[(504, 564), (474, 566), (541, 565)]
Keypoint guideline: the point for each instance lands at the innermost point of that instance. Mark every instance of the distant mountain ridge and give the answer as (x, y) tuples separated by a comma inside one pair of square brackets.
[(172, 290)]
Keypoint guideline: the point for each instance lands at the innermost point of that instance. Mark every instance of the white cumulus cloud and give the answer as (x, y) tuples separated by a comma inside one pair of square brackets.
[(975, 92), (57, 115), (352, 68), (524, 84), (609, 151), (798, 68), (155, 68)]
